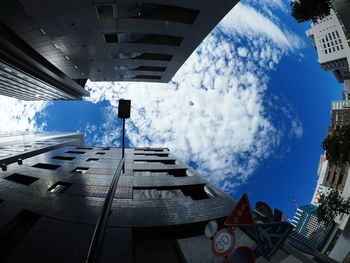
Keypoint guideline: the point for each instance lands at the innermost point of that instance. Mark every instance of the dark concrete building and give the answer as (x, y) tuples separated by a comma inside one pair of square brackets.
[(21, 145), (58, 45), (50, 204)]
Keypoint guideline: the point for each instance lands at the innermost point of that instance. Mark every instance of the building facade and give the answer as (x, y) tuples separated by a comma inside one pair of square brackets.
[(308, 230), (21, 145), (51, 202), (331, 41), (57, 46), (305, 220), (27, 75), (332, 178), (320, 188)]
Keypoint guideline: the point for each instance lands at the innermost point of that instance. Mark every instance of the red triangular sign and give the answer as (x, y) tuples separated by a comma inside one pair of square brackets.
[(241, 214)]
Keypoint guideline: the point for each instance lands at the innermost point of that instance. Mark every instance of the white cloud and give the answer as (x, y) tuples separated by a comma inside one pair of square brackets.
[(242, 51), (248, 21), (297, 128), (17, 115)]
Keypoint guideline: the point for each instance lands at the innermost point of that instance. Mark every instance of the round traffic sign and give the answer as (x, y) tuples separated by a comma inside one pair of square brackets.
[(241, 255), (211, 229), (223, 242)]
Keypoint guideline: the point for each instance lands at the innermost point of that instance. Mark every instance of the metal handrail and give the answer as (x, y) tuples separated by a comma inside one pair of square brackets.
[(100, 229)]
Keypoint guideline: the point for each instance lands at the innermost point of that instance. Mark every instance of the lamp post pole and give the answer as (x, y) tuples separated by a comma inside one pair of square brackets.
[(123, 144)]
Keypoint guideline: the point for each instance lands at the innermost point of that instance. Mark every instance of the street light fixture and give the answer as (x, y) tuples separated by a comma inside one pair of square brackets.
[(124, 113)]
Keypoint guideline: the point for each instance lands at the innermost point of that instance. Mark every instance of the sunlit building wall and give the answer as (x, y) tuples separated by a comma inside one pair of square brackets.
[(332, 44), (324, 185)]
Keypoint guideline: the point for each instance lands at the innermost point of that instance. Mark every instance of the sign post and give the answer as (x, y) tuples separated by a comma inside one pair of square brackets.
[(271, 237), (223, 242), (241, 214), (270, 231)]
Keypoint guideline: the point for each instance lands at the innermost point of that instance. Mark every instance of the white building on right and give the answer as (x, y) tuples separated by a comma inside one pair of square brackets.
[(326, 174), (331, 40)]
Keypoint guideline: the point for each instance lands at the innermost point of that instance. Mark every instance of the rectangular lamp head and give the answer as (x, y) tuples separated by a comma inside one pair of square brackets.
[(124, 109)]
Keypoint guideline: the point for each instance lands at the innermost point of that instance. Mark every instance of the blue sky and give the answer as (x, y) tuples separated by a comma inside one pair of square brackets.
[(248, 109)]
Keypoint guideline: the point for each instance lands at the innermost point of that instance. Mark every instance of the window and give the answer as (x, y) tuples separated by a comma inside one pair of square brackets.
[(147, 77), (111, 38), (59, 187), (154, 56), (46, 166), (157, 39), (152, 154), (150, 68), (100, 153), (340, 179), (106, 148), (81, 170), (333, 177), (158, 12), (148, 173), (75, 152), (105, 11), (92, 160), (166, 161), (21, 179), (84, 148), (196, 192), (65, 158)]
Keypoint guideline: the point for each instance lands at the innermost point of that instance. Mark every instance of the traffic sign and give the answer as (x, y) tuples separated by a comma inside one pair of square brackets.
[(271, 237), (264, 209), (242, 255), (211, 229), (241, 214), (223, 242), (277, 215)]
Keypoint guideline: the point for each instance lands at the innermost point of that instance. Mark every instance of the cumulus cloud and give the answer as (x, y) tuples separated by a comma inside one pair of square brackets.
[(17, 115)]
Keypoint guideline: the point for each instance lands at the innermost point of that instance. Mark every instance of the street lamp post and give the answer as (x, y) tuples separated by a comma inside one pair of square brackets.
[(124, 113)]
